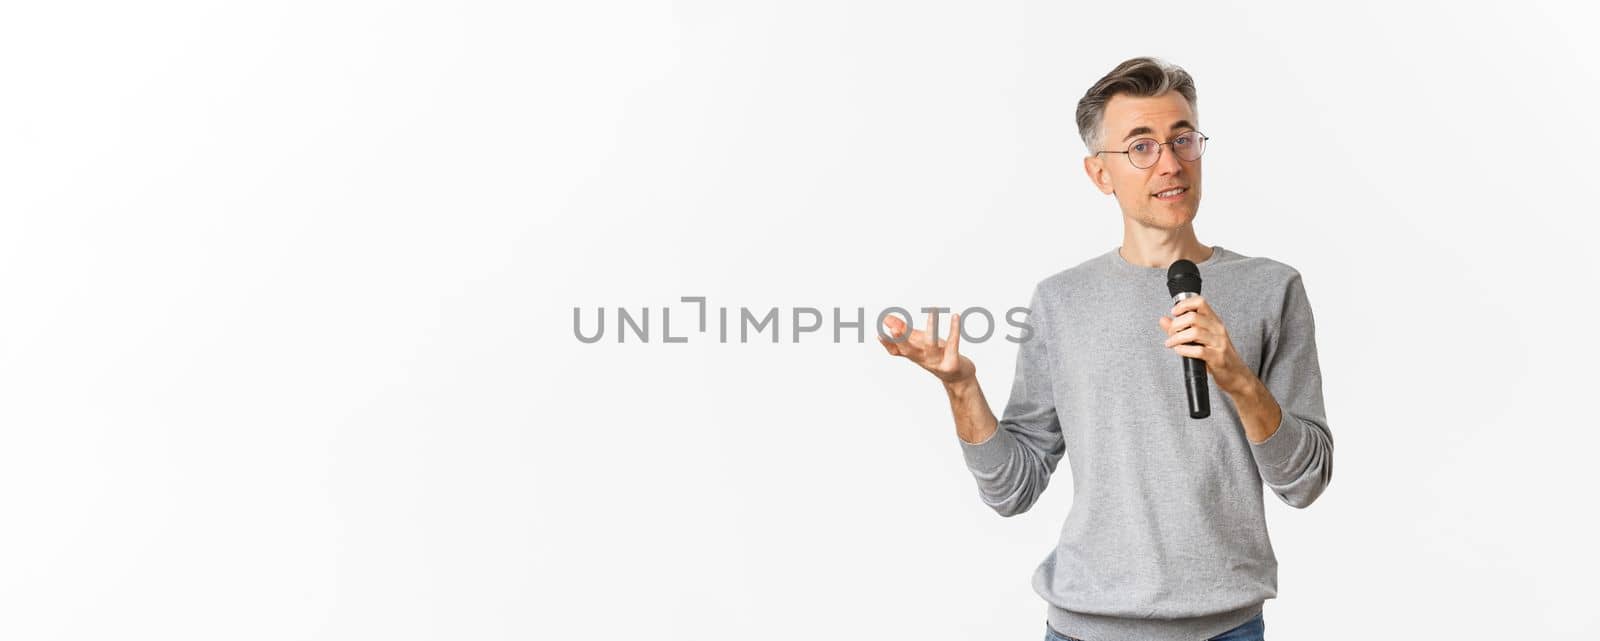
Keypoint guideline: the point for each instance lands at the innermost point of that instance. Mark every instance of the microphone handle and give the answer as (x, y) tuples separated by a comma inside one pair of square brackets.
[(1194, 377), (1194, 380)]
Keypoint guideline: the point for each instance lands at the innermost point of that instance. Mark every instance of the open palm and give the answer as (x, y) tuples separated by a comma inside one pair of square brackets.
[(942, 357)]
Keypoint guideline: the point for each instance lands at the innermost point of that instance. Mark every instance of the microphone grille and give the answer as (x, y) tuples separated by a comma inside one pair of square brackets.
[(1183, 276)]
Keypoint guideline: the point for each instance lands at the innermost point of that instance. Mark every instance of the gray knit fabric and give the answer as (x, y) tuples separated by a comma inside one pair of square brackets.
[(1166, 538)]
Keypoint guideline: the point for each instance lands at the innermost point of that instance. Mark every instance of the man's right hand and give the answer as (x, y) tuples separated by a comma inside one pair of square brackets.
[(941, 357)]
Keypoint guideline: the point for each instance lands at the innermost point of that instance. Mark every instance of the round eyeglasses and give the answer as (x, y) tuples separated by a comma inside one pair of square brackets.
[(1144, 152)]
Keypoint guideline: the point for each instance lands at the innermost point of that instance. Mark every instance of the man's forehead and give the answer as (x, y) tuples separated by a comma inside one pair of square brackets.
[(1124, 112)]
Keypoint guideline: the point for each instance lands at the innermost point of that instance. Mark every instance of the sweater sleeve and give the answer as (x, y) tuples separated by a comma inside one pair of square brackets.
[(1013, 466), (1297, 460)]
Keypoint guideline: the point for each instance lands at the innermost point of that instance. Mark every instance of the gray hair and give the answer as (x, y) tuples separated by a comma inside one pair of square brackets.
[(1138, 77)]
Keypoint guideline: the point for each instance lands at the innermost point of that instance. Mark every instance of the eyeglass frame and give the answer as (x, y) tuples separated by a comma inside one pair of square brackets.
[(1129, 154)]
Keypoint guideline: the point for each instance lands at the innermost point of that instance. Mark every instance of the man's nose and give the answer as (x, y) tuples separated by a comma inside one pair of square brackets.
[(1168, 163)]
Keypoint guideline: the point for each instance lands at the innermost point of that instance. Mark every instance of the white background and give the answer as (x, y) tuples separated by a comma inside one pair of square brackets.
[(287, 346)]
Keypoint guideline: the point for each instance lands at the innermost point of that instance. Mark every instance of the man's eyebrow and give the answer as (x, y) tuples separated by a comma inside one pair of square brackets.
[(1136, 131), (1181, 124)]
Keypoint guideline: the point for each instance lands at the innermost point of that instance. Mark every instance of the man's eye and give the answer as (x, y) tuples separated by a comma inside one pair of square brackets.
[(1141, 147), (1183, 140)]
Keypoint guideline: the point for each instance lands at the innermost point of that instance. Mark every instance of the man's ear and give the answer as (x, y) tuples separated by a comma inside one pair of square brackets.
[(1096, 169)]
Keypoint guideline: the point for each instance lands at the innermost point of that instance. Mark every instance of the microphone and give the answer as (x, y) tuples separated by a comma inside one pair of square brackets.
[(1183, 281)]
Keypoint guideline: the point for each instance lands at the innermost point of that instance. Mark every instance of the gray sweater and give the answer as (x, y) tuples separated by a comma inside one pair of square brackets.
[(1166, 537)]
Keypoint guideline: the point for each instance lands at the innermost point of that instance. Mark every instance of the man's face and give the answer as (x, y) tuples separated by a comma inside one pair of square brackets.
[(1162, 118)]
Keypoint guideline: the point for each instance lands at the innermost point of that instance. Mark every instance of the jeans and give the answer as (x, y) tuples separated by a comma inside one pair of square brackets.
[(1253, 630)]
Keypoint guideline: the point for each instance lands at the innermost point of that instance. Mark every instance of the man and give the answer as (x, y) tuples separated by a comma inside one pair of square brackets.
[(1166, 538)]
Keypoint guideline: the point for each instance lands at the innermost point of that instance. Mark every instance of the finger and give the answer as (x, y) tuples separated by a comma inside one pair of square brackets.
[(1184, 321), (1191, 335), (1191, 351), (888, 345), (1193, 318), (952, 346), (1196, 303), (897, 330), (1166, 324), (894, 323)]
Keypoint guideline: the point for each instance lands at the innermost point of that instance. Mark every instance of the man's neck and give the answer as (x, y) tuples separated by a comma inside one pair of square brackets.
[(1159, 248)]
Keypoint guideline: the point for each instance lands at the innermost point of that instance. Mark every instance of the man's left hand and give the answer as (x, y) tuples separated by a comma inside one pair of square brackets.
[(1194, 321)]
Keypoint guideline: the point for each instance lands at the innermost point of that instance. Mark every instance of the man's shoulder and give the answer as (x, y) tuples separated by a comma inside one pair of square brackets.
[(1263, 271)]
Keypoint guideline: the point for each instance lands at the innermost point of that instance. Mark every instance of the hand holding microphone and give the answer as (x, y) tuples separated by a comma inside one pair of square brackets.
[(1183, 283), (1196, 332)]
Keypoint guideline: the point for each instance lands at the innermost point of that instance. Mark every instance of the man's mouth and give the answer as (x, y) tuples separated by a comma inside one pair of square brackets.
[(1172, 194)]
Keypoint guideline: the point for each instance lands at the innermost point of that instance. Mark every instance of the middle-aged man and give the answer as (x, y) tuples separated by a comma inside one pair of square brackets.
[(1167, 536)]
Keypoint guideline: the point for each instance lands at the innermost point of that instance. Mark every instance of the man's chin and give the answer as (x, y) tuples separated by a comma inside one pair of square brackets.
[(1168, 219)]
